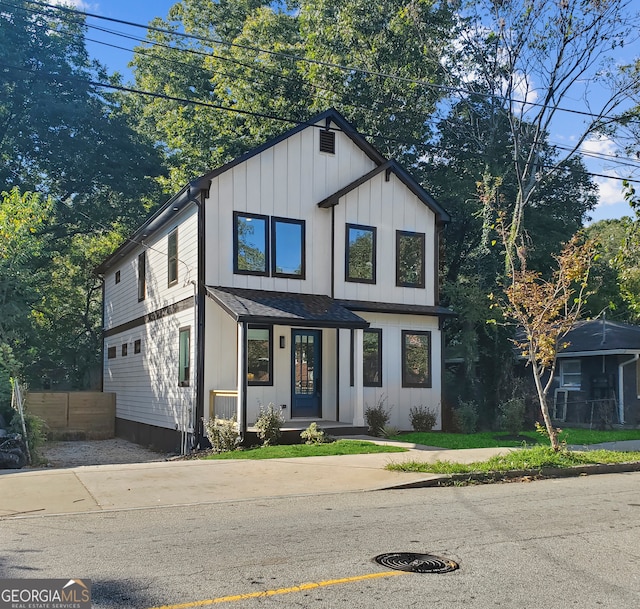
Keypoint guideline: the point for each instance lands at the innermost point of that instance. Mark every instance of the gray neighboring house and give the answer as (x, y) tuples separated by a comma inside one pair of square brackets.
[(597, 378)]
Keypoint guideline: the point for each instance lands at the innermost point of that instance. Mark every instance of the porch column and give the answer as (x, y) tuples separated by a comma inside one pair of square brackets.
[(358, 377), (242, 358)]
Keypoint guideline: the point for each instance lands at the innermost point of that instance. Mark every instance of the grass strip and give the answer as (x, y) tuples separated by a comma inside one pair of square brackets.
[(537, 457), (287, 451)]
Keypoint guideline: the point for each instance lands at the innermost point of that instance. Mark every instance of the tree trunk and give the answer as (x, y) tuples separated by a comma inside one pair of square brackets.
[(544, 407)]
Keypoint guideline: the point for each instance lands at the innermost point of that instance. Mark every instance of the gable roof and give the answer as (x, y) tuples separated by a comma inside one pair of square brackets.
[(390, 166), (601, 337)]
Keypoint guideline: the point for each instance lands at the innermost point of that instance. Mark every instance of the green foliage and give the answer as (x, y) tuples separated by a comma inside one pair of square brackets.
[(223, 434), (377, 417), (389, 431), (511, 415), (465, 416), (269, 422), (36, 433), (339, 447), (422, 419), (313, 435)]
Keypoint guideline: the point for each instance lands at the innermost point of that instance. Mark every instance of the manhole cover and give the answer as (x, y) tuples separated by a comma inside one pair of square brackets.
[(416, 563)]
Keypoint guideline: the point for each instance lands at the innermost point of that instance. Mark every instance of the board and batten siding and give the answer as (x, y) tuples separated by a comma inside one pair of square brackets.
[(389, 207), (397, 399), (121, 299), (286, 180)]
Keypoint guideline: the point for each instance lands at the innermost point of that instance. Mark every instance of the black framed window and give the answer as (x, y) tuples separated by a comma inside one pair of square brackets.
[(124, 349), (137, 346), (259, 355), (117, 276), (372, 357), (360, 253), (416, 358), (410, 259), (142, 276), (172, 257), (184, 357), (250, 244), (288, 239), (111, 352)]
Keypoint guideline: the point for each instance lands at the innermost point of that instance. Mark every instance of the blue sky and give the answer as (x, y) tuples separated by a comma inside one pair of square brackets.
[(611, 204)]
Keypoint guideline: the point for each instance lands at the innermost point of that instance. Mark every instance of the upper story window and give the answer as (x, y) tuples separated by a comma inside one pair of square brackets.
[(117, 276), (410, 250), (416, 358), (142, 276), (570, 374), (287, 237), (172, 257), (360, 253), (250, 244), (263, 247)]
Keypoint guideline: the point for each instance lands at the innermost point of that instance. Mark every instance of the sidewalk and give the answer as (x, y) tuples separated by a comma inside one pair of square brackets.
[(115, 487), (169, 483)]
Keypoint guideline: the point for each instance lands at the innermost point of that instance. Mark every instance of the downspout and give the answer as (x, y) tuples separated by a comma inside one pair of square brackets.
[(621, 386)]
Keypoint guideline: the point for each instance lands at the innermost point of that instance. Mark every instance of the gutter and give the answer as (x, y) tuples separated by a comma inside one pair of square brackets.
[(621, 386)]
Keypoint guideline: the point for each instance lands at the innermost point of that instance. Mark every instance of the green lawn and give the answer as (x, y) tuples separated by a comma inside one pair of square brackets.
[(535, 458), (286, 451), (490, 439)]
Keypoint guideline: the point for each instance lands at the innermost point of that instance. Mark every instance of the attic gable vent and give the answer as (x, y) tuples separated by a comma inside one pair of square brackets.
[(328, 141)]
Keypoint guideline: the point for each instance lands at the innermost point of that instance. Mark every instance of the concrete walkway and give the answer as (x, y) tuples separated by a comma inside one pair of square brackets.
[(168, 483)]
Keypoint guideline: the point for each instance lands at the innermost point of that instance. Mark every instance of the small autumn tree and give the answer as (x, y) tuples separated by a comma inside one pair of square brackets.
[(546, 309)]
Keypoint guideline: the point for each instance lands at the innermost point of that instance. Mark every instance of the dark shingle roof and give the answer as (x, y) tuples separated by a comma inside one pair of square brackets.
[(261, 306), (599, 335)]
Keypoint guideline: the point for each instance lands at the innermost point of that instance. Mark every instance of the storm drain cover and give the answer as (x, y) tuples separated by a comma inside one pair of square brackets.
[(416, 563)]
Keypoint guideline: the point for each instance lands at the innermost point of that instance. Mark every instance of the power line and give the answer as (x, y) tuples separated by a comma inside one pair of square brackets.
[(348, 69)]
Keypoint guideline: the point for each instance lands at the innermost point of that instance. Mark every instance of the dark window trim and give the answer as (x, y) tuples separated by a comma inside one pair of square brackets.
[(269, 382), (267, 257), (303, 268), (137, 346), (142, 276), (124, 351), (421, 281), (117, 277), (172, 258), (374, 246), (377, 383), (429, 382), (111, 353), (187, 375)]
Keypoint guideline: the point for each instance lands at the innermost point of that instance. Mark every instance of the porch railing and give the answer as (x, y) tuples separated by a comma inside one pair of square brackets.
[(223, 403)]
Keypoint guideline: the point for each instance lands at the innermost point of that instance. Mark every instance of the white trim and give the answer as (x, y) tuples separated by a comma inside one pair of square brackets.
[(574, 354)]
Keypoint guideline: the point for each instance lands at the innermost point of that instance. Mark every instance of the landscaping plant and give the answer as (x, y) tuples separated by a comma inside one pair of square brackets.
[(422, 419), (313, 435), (268, 425), (377, 417), (223, 434)]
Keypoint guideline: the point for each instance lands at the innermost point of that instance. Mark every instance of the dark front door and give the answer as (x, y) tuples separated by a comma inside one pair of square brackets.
[(306, 373)]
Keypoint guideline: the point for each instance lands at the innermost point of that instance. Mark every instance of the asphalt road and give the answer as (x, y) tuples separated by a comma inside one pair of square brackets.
[(552, 543)]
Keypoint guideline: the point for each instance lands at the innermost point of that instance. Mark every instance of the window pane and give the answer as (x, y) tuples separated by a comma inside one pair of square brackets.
[(361, 262), (288, 241), (372, 358), (142, 276), (416, 359), (259, 356), (184, 358), (172, 255), (251, 244), (410, 259)]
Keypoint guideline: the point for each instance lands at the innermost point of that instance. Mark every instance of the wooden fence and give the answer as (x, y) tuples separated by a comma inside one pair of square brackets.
[(88, 413)]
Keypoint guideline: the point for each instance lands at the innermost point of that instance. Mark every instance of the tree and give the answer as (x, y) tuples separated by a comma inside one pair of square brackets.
[(544, 310)]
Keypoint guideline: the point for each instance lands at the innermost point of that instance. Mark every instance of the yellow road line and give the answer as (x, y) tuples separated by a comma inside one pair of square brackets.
[(265, 593)]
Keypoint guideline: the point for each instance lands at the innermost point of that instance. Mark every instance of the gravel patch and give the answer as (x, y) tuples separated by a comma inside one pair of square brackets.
[(97, 452)]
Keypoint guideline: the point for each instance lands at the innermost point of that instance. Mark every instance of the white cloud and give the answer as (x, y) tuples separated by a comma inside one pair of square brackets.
[(609, 191), (599, 145), (78, 4)]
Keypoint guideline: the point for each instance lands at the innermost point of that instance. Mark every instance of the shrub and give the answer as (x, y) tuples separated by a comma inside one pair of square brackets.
[(465, 417), (268, 425), (313, 435), (389, 431), (377, 417), (511, 415), (422, 419), (223, 434)]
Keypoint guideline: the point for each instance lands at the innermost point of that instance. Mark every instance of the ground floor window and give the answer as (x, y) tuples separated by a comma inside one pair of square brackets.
[(184, 358), (416, 358), (570, 374), (372, 358), (259, 355)]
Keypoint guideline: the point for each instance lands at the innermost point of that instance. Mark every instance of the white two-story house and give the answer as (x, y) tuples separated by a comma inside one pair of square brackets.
[(302, 274)]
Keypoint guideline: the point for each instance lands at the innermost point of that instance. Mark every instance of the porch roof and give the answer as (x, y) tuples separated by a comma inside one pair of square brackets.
[(262, 306)]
